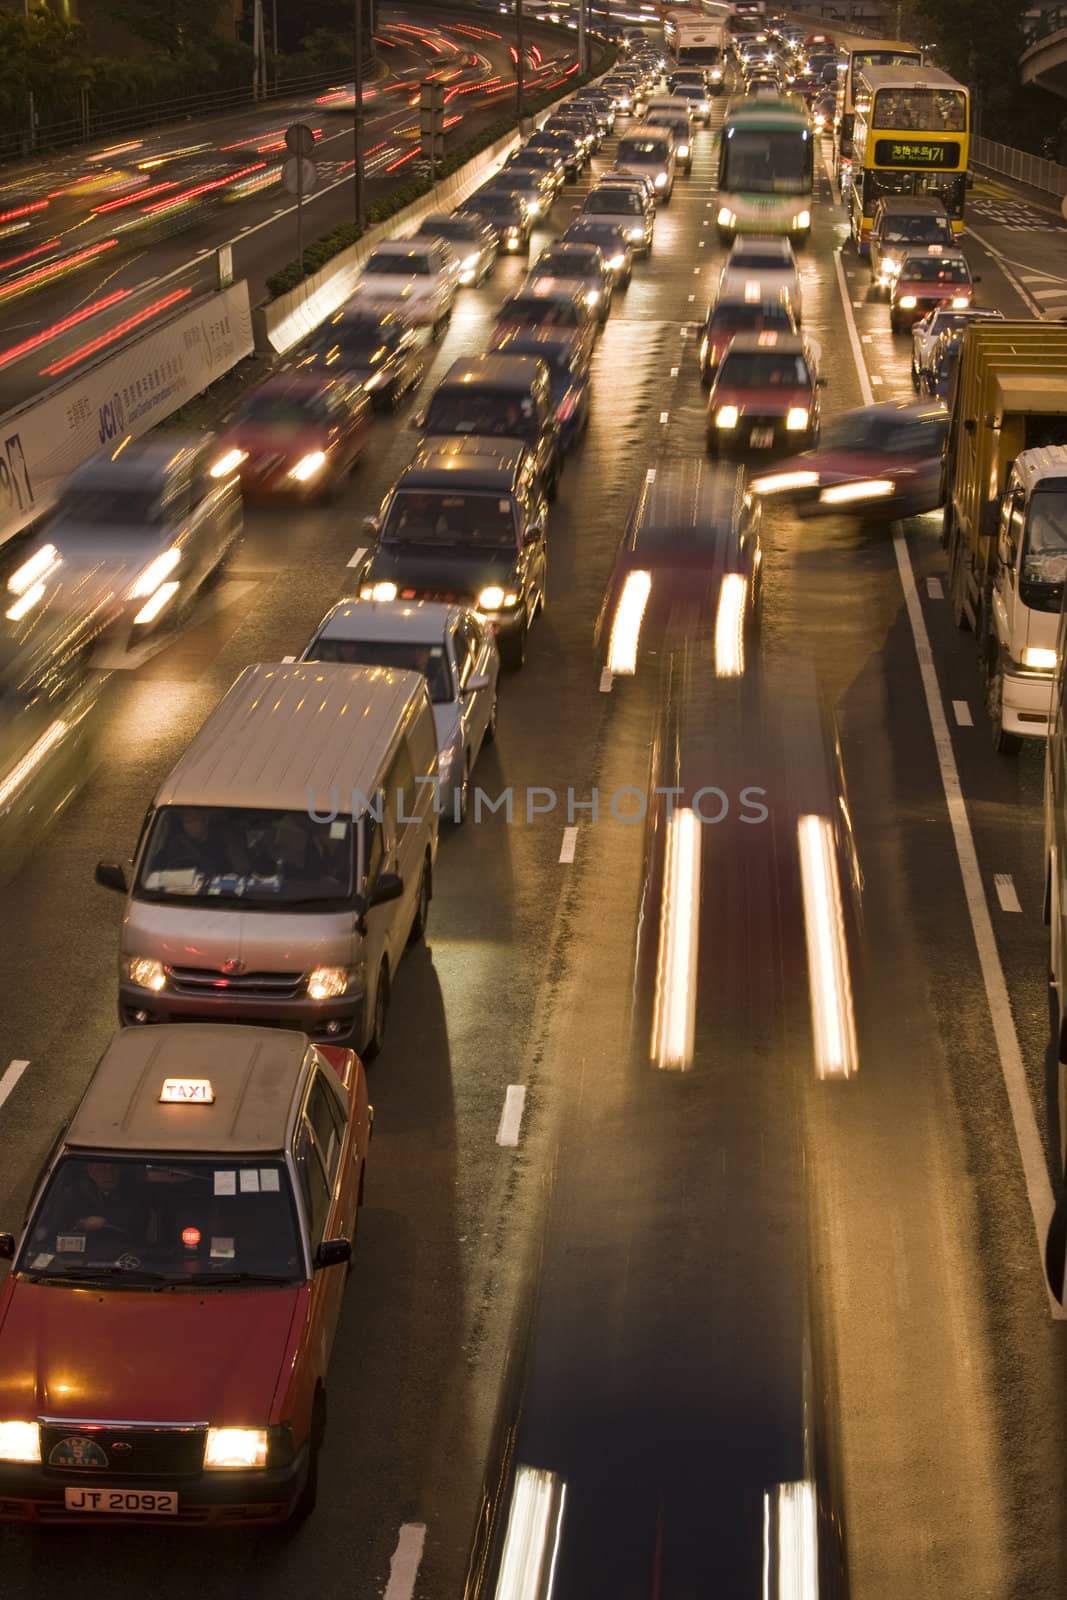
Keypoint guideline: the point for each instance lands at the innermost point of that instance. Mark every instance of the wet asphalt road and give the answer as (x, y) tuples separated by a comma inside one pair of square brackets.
[(703, 1278)]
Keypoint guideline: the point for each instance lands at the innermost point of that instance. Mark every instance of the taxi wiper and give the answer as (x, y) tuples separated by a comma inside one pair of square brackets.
[(201, 1278), (104, 1271)]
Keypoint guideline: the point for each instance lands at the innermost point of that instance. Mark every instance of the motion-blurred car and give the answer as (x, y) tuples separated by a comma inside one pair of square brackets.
[(628, 210), (765, 394), (375, 350), (583, 129), (699, 99), (455, 652), (610, 239), (649, 152), (473, 241), (928, 330), (689, 566), (547, 162), (881, 462), (299, 434), (824, 111), (565, 146), (507, 212), (578, 269), (566, 354), (134, 534), (759, 268), (465, 522), (542, 303), (933, 277), (727, 318), (498, 397), (599, 107), (534, 184), (419, 280)]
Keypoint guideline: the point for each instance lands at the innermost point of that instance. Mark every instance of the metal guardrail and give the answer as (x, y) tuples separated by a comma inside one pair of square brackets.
[(1019, 165)]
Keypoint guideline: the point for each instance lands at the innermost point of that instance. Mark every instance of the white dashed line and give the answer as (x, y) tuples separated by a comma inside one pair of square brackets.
[(1005, 887), (606, 681), (10, 1078), (674, 372), (865, 338), (287, 660), (692, 297), (963, 713), (358, 557), (876, 379), (511, 1116), (404, 1567), (934, 589), (664, 416), (567, 849), (858, 305)]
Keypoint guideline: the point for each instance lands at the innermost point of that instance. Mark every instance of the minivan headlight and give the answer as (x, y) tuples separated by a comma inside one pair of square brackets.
[(726, 417), (1038, 659), (726, 217), (661, 180), (326, 983), (233, 1448), (146, 972), (20, 1441), (802, 219), (796, 418)]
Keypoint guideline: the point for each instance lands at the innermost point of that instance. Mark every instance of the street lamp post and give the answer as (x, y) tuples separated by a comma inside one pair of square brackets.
[(518, 62), (357, 120)]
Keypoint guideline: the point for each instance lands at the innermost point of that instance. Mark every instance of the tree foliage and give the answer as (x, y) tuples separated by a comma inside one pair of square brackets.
[(979, 43), (172, 26)]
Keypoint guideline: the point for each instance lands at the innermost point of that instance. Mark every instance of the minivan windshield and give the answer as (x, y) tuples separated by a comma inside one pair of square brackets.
[(119, 508), (434, 517), (917, 230), (165, 1220), (643, 151), (240, 853)]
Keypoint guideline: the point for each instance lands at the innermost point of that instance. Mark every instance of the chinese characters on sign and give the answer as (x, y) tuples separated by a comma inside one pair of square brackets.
[(916, 153)]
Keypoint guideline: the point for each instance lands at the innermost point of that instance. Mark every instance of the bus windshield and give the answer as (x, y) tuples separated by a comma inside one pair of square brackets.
[(923, 110), (766, 161)]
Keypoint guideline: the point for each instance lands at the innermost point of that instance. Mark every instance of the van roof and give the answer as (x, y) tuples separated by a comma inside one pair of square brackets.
[(500, 372), (257, 1076), (284, 731), (142, 463), (464, 461)]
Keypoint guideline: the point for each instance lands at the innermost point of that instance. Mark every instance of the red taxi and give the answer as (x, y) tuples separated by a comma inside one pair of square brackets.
[(765, 395), (298, 434), (166, 1328), (931, 277), (730, 316)]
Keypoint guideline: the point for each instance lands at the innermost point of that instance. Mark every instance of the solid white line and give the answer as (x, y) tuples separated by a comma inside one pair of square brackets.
[(511, 1116), (1049, 294), (10, 1078), (570, 840), (1005, 887), (404, 1567), (963, 713), (358, 557), (606, 681), (1027, 1137), (934, 589)]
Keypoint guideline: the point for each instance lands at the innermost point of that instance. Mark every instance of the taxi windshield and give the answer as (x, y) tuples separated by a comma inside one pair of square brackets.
[(165, 1221), (753, 318), (751, 369), (483, 521), (243, 855), (933, 269)]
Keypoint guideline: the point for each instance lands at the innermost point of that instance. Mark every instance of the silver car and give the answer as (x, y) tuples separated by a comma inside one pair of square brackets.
[(455, 651)]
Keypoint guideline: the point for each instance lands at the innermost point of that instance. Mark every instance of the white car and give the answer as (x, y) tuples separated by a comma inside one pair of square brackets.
[(759, 269), (418, 279), (452, 647), (474, 242)]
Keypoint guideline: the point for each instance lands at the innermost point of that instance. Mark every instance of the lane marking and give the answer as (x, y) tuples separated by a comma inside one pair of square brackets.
[(358, 557), (1005, 887), (692, 297), (404, 1566), (674, 372), (511, 1116), (858, 305), (934, 589), (1024, 1123), (963, 713), (664, 416), (865, 338), (876, 379), (1006, 265), (287, 660), (606, 681), (10, 1078), (570, 840)]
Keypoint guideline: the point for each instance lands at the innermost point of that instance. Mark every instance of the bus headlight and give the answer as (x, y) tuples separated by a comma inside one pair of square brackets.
[(726, 217), (796, 418), (802, 219), (726, 417)]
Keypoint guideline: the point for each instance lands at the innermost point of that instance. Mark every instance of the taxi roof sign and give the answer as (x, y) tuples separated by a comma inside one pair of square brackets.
[(187, 1092)]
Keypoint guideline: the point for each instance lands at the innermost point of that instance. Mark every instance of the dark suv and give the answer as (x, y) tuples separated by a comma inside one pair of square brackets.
[(500, 397), (465, 522)]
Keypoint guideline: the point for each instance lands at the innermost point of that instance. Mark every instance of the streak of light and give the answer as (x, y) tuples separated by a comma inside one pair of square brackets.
[(117, 332), (829, 980), (674, 1017)]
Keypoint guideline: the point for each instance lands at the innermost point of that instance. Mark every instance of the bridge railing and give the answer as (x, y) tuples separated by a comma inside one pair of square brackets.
[(1039, 27), (1020, 166)]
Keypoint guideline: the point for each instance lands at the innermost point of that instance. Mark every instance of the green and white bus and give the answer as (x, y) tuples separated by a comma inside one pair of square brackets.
[(766, 169)]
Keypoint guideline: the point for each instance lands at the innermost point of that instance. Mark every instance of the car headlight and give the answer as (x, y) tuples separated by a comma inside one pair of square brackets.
[(228, 463), (705, 107), (960, 300), (20, 1441), (705, 346), (797, 417), (908, 302), (592, 297), (726, 217), (154, 574), (373, 381), (842, 494), (781, 482), (153, 606), (617, 263), (469, 263), (308, 466), (660, 180), (326, 983), (146, 972), (889, 268), (233, 1448), (802, 219), (636, 233), (383, 590), (683, 151), (726, 417), (493, 598), (1038, 659), (534, 207)]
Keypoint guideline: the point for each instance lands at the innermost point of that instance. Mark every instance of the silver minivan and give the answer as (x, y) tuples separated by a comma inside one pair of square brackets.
[(287, 860), (649, 152)]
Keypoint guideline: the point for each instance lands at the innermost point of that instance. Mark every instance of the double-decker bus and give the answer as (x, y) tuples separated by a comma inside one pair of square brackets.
[(911, 135), (766, 169), (870, 53)]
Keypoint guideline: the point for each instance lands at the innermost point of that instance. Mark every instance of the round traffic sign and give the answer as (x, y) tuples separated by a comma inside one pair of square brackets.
[(299, 139), (299, 176)]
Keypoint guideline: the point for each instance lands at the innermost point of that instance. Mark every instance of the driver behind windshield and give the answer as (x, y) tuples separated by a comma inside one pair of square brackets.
[(98, 1198)]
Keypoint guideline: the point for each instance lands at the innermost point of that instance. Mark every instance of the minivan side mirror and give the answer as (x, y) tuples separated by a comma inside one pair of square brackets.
[(109, 875), (7, 1247), (332, 1252), (390, 886)]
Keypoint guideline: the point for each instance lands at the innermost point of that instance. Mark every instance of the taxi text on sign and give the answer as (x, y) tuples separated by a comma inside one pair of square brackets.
[(187, 1091)]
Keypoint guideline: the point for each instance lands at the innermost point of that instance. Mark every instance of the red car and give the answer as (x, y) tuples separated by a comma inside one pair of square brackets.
[(727, 318), (931, 277), (166, 1328), (299, 434), (765, 395)]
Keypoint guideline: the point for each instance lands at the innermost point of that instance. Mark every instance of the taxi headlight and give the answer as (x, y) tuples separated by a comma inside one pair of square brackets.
[(959, 301), (308, 466), (661, 180), (726, 217), (154, 574), (233, 1448), (683, 151), (843, 494), (383, 590), (1038, 659), (20, 1441), (802, 219), (228, 463), (494, 598), (146, 972), (617, 263), (726, 417), (908, 302), (796, 418), (326, 983), (592, 297), (635, 233)]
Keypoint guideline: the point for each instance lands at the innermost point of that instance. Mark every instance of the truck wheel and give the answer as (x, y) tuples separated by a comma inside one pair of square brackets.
[(1006, 744)]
